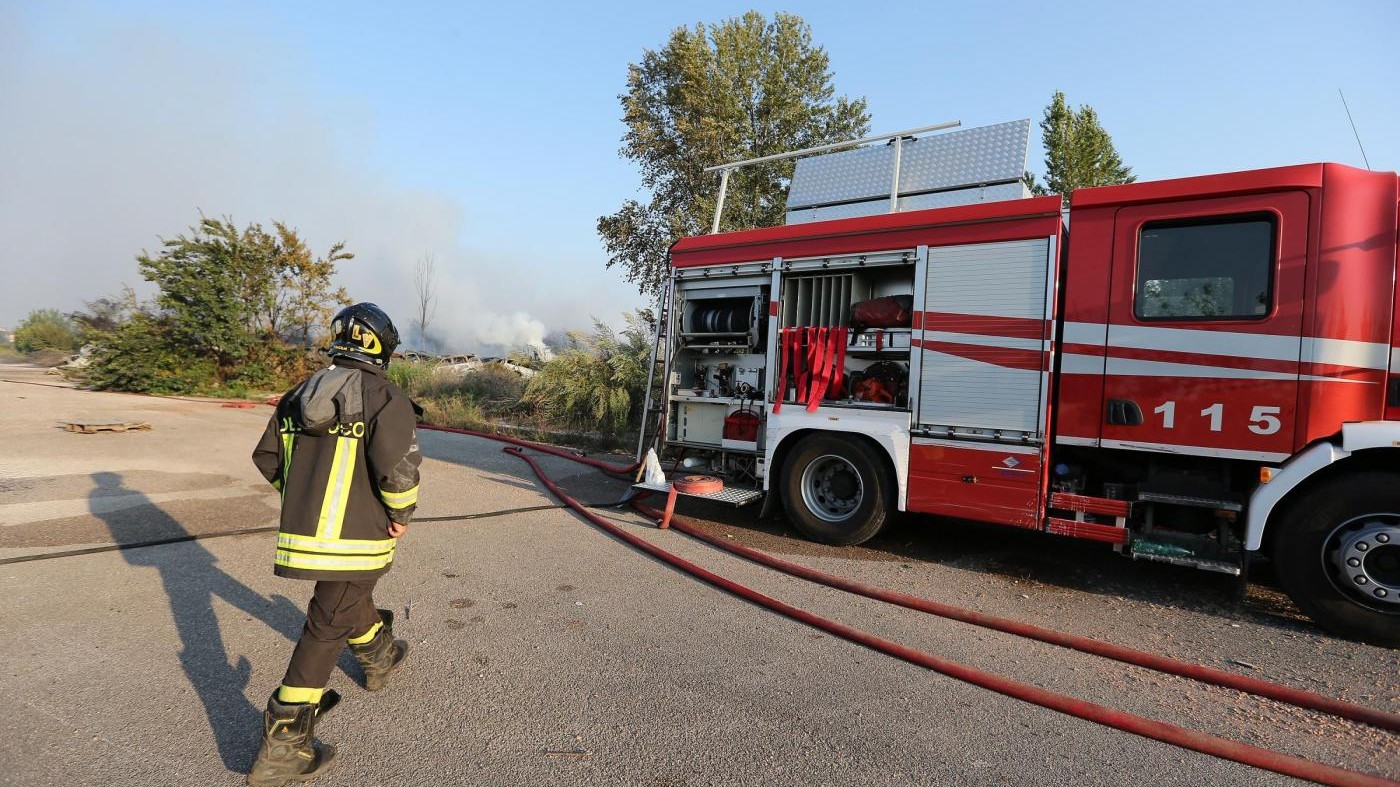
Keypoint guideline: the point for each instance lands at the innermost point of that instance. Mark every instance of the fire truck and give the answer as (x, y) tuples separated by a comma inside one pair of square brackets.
[(1196, 371)]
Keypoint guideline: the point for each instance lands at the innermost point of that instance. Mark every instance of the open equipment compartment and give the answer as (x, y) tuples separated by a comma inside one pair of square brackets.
[(718, 368), (822, 293)]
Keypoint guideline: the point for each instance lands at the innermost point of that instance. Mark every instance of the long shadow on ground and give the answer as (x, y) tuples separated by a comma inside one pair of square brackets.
[(192, 580)]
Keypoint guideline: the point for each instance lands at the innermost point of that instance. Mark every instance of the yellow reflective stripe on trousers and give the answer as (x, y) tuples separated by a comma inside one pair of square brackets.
[(340, 546), (400, 499), (295, 695), (337, 489), (333, 562)]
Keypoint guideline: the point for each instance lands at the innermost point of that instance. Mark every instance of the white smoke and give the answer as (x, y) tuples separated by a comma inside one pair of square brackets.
[(124, 131), (490, 333)]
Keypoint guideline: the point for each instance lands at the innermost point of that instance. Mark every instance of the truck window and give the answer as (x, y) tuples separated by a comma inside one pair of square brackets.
[(1213, 269)]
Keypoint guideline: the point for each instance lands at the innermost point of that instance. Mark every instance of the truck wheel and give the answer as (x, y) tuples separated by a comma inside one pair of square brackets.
[(837, 490), (1337, 553)]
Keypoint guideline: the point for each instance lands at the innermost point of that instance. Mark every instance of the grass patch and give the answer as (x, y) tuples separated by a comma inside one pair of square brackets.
[(456, 411), (411, 376), (476, 396), (492, 399)]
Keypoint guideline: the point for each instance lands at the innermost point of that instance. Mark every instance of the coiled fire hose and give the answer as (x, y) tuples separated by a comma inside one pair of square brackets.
[(1205, 743)]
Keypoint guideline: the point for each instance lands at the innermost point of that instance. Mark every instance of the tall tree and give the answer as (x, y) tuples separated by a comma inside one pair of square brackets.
[(304, 293), (425, 289), (743, 88), (213, 286), (225, 288), (1078, 151)]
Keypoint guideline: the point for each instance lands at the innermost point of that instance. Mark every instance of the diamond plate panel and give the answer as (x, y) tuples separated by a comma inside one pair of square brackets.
[(837, 177), (965, 158), (974, 156), (736, 496), (943, 199), (938, 199)]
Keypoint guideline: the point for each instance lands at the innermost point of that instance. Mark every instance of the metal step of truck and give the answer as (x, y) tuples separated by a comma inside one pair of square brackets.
[(1177, 554), (1103, 506), (1169, 498)]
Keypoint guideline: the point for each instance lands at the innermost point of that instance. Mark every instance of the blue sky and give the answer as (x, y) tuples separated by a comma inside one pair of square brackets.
[(488, 134)]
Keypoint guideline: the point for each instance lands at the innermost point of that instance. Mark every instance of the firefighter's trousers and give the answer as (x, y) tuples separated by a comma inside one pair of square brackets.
[(338, 612)]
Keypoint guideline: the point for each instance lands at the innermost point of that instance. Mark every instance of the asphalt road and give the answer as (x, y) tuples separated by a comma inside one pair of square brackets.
[(547, 653)]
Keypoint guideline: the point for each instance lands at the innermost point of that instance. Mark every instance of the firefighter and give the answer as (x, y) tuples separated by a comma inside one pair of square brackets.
[(343, 451)]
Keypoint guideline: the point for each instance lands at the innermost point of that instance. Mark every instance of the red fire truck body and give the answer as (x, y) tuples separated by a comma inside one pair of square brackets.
[(1191, 370)]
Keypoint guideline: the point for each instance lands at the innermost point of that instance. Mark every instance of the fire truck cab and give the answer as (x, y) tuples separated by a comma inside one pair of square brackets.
[(1193, 370)]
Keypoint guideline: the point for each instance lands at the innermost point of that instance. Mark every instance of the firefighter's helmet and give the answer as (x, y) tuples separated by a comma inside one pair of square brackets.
[(364, 332)]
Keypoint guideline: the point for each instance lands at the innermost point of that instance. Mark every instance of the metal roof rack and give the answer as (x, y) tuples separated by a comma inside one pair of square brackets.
[(898, 137)]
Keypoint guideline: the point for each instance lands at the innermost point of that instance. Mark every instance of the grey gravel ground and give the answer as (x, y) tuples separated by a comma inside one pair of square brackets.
[(546, 652)]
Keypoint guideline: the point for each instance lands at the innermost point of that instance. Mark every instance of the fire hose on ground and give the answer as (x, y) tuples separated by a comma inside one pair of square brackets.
[(1139, 658), (1122, 720), (1199, 672)]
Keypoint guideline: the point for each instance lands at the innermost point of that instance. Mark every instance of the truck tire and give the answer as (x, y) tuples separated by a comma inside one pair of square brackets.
[(837, 490), (1337, 554)]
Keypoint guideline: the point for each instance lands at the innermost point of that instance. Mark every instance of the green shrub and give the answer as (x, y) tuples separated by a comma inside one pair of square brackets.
[(271, 366), (46, 329), (599, 381), (234, 312), (139, 357)]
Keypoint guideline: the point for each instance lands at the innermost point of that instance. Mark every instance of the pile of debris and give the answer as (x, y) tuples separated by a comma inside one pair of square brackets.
[(462, 364)]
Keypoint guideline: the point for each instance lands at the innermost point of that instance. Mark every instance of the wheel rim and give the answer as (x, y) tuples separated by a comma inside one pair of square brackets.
[(1364, 555), (832, 488)]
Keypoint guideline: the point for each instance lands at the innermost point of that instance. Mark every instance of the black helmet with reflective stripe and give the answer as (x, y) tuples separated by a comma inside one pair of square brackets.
[(364, 332)]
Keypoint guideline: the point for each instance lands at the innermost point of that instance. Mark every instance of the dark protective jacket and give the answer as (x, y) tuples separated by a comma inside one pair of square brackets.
[(343, 451)]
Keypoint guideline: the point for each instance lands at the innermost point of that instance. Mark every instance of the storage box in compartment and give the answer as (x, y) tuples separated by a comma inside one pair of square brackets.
[(877, 339), (700, 421)]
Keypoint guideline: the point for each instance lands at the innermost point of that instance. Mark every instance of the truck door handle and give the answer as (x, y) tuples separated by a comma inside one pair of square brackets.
[(1124, 412)]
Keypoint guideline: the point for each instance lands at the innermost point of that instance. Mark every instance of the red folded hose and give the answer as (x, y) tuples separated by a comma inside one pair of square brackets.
[(1236, 751), (698, 485), (1200, 672)]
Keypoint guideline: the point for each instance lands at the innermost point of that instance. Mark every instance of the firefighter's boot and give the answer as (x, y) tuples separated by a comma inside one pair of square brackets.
[(382, 654), (289, 751)]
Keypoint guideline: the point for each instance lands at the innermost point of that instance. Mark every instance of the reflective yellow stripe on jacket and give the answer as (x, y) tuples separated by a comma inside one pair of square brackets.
[(400, 499), (342, 554), (337, 489), (289, 438)]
